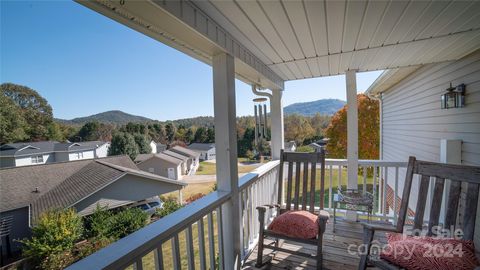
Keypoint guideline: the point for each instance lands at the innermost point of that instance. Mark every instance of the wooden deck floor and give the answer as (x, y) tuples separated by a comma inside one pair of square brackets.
[(335, 250)]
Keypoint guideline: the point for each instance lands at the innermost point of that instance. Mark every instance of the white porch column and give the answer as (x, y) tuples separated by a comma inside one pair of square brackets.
[(226, 154), (352, 129), (276, 114)]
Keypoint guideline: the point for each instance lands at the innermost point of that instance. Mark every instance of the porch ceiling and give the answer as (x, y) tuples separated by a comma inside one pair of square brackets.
[(304, 39), (275, 40)]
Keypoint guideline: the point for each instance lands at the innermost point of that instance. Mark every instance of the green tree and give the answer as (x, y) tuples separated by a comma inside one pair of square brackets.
[(245, 144), (201, 135), (89, 131), (368, 130), (123, 144), (210, 135), (12, 124), (263, 148), (32, 107), (143, 143), (54, 132), (170, 132)]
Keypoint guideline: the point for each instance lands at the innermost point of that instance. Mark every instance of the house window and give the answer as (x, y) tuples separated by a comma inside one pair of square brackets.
[(37, 159)]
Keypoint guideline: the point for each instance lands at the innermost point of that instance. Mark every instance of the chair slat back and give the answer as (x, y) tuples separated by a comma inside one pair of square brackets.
[(436, 174), (301, 180)]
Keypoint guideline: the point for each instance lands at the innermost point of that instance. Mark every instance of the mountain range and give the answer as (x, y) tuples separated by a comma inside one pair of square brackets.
[(322, 106)]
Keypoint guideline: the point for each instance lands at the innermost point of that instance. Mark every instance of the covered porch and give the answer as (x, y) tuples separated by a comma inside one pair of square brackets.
[(265, 44)]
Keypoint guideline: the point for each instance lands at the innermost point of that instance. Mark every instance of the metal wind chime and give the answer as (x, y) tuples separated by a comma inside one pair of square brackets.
[(260, 108)]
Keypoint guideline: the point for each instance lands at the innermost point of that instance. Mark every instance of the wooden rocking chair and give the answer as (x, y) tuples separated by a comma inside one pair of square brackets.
[(297, 200), (458, 174)]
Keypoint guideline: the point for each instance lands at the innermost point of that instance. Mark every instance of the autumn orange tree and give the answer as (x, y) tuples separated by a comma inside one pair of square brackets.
[(368, 130)]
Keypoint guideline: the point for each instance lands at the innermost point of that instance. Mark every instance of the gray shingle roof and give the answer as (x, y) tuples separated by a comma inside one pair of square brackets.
[(186, 152), (175, 155), (30, 148), (144, 157), (201, 146), (63, 184)]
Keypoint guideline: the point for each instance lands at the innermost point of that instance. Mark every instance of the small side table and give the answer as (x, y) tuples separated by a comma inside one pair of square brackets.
[(353, 200)]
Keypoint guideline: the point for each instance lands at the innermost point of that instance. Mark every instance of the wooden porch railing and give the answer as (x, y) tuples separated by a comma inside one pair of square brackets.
[(203, 249)]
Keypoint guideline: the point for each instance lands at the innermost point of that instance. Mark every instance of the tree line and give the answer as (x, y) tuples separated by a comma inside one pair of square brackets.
[(27, 116)]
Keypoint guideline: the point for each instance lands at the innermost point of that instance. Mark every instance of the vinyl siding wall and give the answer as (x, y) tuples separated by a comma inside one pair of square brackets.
[(413, 122)]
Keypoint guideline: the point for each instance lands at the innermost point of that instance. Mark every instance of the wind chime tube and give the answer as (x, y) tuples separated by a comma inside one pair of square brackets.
[(265, 120), (256, 123), (260, 114)]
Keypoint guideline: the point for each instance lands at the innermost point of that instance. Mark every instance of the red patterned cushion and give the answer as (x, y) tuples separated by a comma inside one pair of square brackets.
[(297, 224), (425, 253)]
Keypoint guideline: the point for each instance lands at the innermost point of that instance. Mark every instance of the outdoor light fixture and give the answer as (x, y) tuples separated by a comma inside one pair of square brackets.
[(454, 97)]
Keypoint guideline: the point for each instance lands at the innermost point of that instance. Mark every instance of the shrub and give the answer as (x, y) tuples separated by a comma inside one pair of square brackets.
[(305, 148), (194, 197), (169, 206), (61, 260), (55, 232), (126, 222), (99, 224)]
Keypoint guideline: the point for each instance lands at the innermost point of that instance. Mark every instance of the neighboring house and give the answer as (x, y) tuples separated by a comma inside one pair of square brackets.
[(29, 191), (413, 123), (290, 146), (206, 150), (186, 162), (34, 153), (157, 147), (160, 164), (194, 157)]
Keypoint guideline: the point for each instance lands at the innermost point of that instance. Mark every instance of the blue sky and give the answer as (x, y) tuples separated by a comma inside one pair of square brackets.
[(84, 63)]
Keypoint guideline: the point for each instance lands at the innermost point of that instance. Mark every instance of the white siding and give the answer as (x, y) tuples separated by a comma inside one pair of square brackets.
[(27, 160), (102, 151), (414, 123), (81, 155)]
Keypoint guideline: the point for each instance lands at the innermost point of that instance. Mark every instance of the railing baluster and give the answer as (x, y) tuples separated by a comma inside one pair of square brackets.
[(384, 193), (375, 186), (330, 193), (339, 177), (158, 257), (242, 223), (211, 240), (190, 251), (220, 238), (364, 178), (380, 189), (201, 244), (252, 213), (176, 253), (395, 191)]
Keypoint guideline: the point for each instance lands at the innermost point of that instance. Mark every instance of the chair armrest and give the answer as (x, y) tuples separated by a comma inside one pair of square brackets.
[(376, 227), (263, 208), (323, 215)]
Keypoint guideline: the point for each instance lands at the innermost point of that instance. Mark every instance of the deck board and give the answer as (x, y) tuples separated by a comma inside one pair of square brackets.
[(335, 250)]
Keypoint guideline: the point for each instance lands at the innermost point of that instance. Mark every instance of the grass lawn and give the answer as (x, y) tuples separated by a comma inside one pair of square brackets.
[(209, 168), (335, 184)]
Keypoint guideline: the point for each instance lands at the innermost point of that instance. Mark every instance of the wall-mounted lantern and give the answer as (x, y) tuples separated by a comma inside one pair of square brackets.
[(454, 97)]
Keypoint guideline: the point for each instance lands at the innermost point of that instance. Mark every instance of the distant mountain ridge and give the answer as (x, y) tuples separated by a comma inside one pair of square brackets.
[(322, 106), (109, 117), (119, 118)]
